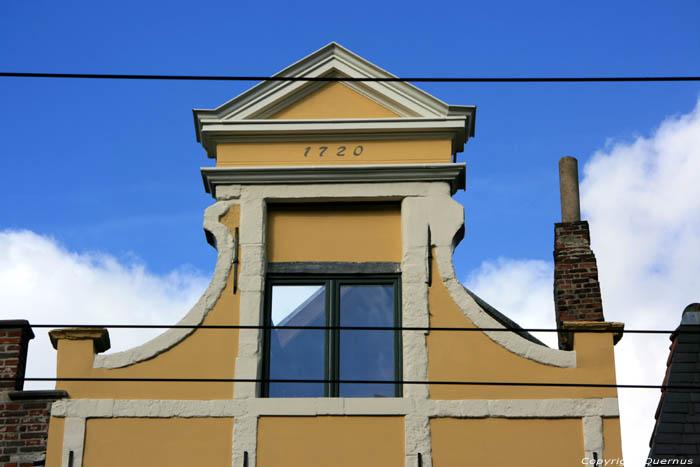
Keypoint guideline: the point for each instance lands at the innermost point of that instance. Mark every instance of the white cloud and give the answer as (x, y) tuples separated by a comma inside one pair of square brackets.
[(522, 289), (642, 200), (42, 282)]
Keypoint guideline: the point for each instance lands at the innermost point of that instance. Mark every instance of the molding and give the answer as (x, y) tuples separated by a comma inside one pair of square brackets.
[(571, 327), (385, 406), (333, 267), (454, 174), (39, 394), (171, 337), (98, 336), (214, 132)]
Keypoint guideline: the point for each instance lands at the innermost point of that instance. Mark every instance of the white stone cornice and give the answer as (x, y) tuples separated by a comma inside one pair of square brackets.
[(453, 174), (216, 131)]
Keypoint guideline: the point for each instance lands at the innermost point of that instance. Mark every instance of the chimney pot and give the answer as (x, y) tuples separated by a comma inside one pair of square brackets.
[(568, 189)]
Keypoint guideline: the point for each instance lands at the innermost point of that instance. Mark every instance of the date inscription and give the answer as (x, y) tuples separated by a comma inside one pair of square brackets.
[(333, 151)]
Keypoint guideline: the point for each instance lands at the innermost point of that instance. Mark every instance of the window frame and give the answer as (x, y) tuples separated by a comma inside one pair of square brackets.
[(331, 357)]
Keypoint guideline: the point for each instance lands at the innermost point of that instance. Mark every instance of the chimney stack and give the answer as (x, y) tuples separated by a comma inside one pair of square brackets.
[(576, 287), (14, 341)]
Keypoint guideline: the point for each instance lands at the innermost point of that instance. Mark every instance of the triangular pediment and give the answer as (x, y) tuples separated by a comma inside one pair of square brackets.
[(276, 108), (272, 97)]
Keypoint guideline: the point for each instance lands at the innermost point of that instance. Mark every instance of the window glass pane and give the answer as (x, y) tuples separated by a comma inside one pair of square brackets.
[(297, 353), (367, 355)]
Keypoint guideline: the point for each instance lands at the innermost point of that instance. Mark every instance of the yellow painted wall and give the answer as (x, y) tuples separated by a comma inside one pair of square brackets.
[(152, 442), (337, 232), (346, 152), (335, 100), (507, 442), (473, 356), (331, 441), (54, 445), (612, 439), (206, 353)]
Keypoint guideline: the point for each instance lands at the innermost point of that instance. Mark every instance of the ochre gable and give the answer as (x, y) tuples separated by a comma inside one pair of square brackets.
[(334, 100)]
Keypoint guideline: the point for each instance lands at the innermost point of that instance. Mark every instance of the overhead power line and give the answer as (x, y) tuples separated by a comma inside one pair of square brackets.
[(691, 387), (364, 328), (541, 79)]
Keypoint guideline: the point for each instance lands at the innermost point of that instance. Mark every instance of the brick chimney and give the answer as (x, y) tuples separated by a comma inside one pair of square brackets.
[(24, 415), (576, 287), (14, 341)]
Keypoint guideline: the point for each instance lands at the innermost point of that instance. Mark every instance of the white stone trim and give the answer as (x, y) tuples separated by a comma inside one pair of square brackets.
[(222, 178), (414, 296), (214, 132), (312, 127), (593, 439), (252, 294), (306, 407), (73, 440), (245, 439), (418, 440), (171, 337)]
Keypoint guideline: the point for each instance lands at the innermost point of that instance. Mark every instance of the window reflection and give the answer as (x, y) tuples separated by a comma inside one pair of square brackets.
[(297, 353), (367, 355)]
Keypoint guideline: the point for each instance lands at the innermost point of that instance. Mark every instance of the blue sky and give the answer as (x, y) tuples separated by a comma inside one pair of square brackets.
[(96, 154), (108, 171)]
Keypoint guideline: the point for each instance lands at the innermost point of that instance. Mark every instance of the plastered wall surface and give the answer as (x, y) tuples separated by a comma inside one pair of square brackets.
[(334, 232), (506, 442), (55, 442), (338, 152), (613, 438), (334, 100), (331, 441), (137, 442)]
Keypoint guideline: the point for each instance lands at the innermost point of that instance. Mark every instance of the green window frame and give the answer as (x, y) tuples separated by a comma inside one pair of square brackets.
[(331, 348)]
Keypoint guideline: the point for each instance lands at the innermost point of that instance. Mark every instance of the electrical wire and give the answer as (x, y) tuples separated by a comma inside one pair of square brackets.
[(692, 387), (579, 79), (365, 328)]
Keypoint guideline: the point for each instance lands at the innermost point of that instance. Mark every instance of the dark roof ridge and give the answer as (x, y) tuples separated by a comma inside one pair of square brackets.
[(503, 319)]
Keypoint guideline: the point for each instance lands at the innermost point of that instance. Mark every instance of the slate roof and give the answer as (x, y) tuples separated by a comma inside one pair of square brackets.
[(676, 434)]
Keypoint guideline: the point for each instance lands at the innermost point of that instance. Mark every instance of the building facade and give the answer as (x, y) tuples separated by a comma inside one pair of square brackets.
[(333, 210)]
